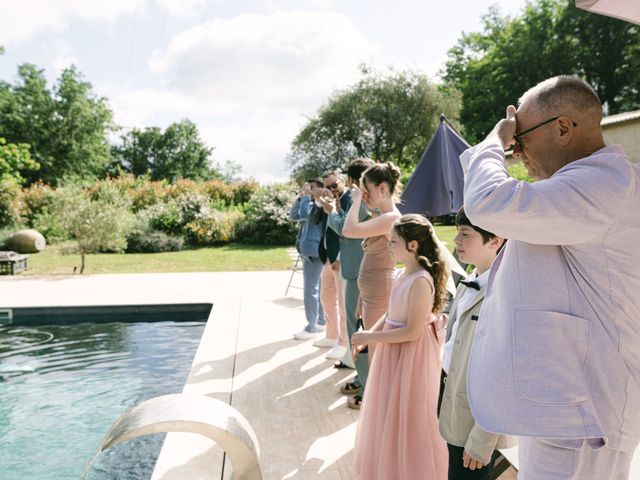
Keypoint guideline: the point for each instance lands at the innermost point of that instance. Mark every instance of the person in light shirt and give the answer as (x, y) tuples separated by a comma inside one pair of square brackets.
[(472, 451), (559, 327)]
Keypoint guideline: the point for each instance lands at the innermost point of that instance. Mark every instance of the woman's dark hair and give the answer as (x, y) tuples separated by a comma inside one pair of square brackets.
[(357, 166), (416, 227), (384, 172)]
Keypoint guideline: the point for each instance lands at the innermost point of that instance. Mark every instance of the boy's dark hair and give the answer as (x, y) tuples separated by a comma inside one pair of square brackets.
[(357, 167), (462, 219)]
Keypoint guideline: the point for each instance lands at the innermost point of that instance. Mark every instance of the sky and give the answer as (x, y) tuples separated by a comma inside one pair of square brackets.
[(249, 73)]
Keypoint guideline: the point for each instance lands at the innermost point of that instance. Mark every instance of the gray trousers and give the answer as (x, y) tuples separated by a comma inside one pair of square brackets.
[(351, 298), (541, 460)]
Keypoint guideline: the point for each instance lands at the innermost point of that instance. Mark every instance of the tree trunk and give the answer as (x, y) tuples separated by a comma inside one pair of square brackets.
[(81, 263)]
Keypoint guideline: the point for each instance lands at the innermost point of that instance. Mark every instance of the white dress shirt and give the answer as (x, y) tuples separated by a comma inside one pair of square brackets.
[(467, 299)]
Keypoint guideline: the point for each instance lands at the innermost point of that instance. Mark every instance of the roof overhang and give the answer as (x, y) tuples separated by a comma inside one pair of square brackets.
[(628, 10)]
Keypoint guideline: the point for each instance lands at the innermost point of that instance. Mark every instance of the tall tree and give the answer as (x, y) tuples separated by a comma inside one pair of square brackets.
[(384, 116), (178, 152), (551, 37), (66, 127)]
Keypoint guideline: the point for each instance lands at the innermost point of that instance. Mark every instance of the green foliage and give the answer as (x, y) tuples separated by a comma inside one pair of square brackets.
[(495, 67), (97, 222), (66, 128), (200, 213), (33, 201), (51, 225), (213, 227), (153, 242), (178, 152), (13, 159), (384, 116), (8, 209), (519, 172), (266, 219)]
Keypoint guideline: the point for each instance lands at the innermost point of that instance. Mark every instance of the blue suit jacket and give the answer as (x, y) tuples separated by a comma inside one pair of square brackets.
[(313, 221)]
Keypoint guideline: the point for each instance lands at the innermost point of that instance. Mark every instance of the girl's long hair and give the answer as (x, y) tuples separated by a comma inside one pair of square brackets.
[(416, 227)]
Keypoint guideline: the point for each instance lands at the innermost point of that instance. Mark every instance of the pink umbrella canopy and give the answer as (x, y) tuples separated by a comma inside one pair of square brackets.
[(628, 10)]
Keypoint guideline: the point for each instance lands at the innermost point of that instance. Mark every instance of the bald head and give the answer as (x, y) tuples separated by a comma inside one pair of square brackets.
[(559, 122), (565, 95)]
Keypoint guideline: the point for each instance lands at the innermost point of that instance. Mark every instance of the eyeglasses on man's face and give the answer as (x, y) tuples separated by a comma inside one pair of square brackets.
[(518, 136)]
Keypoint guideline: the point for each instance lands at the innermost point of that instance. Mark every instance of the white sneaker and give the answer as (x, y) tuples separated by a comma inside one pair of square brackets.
[(321, 328), (325, 342), (304, 335), (337, 351)]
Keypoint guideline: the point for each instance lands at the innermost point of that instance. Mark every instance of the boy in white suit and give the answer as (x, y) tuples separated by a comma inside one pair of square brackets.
[(472, 451), (560, 324)]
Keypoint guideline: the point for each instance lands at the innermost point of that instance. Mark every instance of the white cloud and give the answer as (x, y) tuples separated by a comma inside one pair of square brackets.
[(62, 56), (26, 18), (180, 7), (285, 58), (259, 143), (247, 81), (145, 106)]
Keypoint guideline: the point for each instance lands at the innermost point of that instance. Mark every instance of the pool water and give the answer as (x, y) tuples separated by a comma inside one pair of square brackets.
[(62, 387)]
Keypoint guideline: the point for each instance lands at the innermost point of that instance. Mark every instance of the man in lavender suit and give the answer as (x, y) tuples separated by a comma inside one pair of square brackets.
[(556, 353)]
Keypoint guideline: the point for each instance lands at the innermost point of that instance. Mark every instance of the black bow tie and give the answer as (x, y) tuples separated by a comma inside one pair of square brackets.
[(473, 285)]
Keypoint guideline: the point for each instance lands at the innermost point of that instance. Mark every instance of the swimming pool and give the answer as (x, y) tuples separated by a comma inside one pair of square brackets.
[(62, 386)]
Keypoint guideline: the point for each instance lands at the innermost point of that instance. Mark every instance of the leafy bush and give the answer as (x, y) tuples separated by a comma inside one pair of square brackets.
[(266, 219), (147, 193), (9, 214), (33, 201), (153, 242), (98, 224), (51, 225), (213, 227), (519, 172), (228, 194), (171, 217)]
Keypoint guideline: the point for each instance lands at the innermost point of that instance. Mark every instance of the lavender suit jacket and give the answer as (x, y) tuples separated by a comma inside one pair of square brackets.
[(560, 324)]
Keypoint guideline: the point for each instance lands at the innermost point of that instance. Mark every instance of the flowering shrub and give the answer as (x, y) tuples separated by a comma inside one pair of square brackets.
[(266, 219), (33, 201), (9, 212), (200, 213), (213, 227)]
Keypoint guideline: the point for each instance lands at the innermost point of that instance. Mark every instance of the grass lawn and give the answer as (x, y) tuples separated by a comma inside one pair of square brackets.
[(56, 260), (446, 233), (59, 259)]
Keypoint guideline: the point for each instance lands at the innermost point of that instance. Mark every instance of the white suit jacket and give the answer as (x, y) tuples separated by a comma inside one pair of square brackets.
[(560, 324)]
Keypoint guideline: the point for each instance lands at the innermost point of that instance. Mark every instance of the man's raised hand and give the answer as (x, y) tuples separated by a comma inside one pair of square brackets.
[(506, 128)]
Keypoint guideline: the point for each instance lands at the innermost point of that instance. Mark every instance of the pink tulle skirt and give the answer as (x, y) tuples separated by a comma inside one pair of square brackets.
[(398, 436)]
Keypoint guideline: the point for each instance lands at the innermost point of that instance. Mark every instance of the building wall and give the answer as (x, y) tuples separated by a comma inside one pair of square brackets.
[(626, 134)]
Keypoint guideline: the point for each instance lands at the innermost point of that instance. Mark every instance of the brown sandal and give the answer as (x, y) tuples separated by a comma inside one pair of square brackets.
[(355, 402), (350, 388)]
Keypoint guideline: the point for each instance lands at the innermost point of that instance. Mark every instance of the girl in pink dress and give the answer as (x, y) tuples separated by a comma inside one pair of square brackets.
[(398, 434)]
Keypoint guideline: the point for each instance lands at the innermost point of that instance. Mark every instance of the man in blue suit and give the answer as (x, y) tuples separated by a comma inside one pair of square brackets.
[(313, 219)]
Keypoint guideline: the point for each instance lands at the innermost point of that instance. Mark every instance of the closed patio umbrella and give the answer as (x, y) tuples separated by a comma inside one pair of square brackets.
[(628, 10)]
